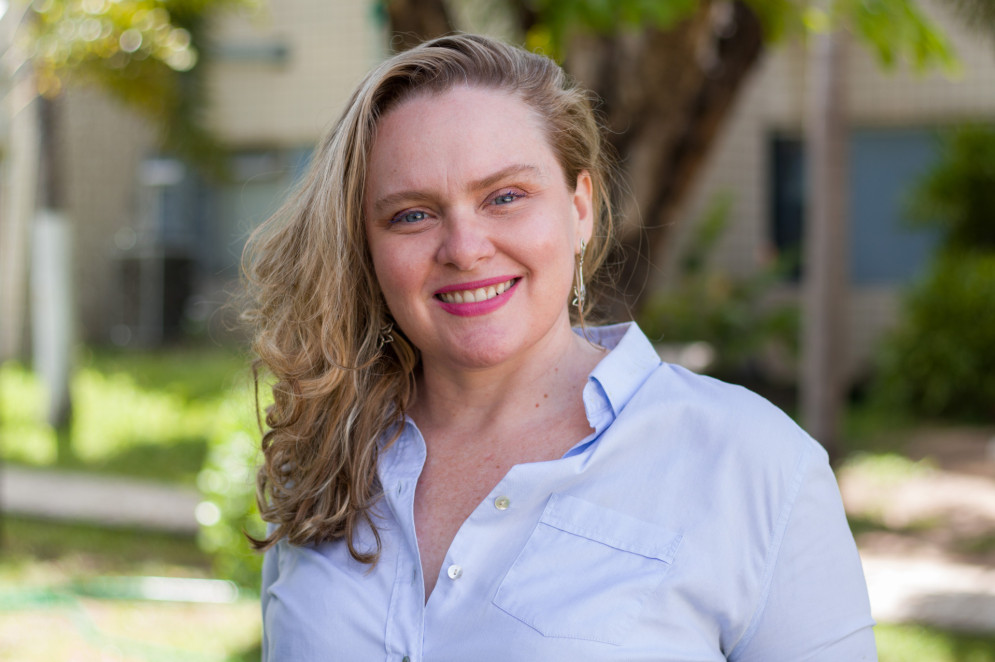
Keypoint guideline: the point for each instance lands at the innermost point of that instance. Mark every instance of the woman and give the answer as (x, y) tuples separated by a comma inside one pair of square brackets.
[(452, 471)]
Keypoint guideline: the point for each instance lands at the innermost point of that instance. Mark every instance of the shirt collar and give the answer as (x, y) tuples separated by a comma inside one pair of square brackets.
[(619, 375), (630, 361)]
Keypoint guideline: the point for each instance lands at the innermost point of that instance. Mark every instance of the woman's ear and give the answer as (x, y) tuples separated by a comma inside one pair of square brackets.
[(583, 201)]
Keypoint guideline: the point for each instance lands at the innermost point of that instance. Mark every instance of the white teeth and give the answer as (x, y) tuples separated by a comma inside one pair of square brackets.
[(477, 295)]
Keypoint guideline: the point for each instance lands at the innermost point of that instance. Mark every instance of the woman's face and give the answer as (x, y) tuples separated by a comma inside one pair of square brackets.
[(472, 227)]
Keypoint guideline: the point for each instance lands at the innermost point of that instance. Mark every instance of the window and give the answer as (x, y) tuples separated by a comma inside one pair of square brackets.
[(885, 165)]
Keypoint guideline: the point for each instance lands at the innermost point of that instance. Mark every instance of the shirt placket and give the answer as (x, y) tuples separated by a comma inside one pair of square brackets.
[(405, 626), (485, 547), (468, 569)]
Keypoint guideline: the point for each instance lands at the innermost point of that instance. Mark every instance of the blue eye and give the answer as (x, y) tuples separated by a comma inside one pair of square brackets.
[(507, 197), (412, 216)]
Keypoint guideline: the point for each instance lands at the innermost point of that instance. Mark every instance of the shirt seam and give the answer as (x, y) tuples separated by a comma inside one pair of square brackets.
[(773, 555)]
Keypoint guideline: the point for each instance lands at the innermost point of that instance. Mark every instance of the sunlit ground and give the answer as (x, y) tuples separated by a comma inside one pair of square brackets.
[(103, 630), (56, 605)]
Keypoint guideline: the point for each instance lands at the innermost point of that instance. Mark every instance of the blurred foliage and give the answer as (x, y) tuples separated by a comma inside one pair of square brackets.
[(228, 483), (919, 643), (144, 52), (897, 30), (95, 549), (172, 415), (134, 415), (869, 428), (889, 468), (978, 14), (192, 373), (958, 195), (894, 30), (940, 360), (558, 19), (730, 313)]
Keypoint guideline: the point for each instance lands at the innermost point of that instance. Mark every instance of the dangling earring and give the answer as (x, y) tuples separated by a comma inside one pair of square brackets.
[(386, 334), (580, 291)]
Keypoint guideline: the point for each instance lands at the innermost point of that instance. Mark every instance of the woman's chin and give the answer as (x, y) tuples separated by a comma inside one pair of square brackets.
[(509, 339), (471, 358)]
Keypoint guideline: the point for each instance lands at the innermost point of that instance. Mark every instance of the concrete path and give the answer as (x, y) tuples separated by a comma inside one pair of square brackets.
[(97, 499), (956, 596)]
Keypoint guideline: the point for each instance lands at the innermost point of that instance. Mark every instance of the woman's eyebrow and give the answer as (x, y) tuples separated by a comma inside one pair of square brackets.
[(393, 199), (504, 173)]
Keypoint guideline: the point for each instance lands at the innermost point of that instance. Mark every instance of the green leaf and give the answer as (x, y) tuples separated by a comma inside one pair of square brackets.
[(143, 52), (898, 30)]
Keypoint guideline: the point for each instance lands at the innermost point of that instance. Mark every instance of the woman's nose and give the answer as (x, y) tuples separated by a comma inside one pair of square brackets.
[(465, 241)]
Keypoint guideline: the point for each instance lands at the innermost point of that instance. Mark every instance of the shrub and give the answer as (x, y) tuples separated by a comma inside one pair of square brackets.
[(228, 484), (941, 360), (958, 194), (731, 314)]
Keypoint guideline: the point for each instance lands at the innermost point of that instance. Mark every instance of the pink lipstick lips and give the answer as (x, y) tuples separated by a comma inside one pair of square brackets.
[(478, 297)]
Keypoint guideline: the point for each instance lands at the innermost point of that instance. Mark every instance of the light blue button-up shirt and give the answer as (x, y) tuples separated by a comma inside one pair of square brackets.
[(696, 523)]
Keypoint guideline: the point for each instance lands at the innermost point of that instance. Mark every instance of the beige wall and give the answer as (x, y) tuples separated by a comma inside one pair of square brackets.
[(330, 46), (775, 101), (103, 145), (254, 102)]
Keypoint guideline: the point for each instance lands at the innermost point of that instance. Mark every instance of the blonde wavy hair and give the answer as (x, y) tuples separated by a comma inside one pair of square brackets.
[(318, 316)]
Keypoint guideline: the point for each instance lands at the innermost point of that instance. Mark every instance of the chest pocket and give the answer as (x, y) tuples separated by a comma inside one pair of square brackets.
[(586, 571)]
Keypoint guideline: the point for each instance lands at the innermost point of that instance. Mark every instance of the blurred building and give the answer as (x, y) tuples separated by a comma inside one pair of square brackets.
[(157, 246), (895, 121)]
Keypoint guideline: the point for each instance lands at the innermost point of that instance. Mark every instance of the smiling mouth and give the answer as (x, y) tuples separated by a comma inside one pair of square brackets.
[(477, 295)]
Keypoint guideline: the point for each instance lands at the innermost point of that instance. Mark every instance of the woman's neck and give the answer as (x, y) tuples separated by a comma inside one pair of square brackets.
[(544, 383)]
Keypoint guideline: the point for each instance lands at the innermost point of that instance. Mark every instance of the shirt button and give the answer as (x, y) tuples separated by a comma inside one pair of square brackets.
[(502, 503), (454, 571)]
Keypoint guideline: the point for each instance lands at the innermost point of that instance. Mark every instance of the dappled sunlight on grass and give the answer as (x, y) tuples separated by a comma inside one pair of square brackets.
[(887, 467), (23, 436), (103, 630), (146, 415), (174, 415), (111, 413), (916, 643), (45, 567)]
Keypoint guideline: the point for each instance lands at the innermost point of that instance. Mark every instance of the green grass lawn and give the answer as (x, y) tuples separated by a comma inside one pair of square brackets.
[(915, 643), (55, 603), (149, 415)]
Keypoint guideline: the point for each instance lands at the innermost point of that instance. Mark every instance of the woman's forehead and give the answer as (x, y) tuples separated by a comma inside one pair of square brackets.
[(467, 133)]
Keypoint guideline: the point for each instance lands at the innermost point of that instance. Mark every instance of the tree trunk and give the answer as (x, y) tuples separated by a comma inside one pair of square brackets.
[(415, 21), (18, 200), (825, 244), (665, 97)]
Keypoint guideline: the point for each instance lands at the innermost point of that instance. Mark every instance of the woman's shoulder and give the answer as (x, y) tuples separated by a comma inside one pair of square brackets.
[(700, 416), (667, 413)]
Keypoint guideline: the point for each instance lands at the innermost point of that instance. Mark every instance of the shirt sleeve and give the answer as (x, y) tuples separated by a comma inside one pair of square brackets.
[(815, 608)]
